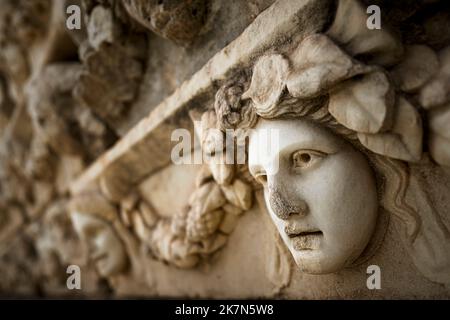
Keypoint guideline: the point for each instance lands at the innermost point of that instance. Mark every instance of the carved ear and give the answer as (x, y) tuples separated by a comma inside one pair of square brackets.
[(439, 143), (318, 65), (268, 83), (376, 46), (365, 105), (404, 140)]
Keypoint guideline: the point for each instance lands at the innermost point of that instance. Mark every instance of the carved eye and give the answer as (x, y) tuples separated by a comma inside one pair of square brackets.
[(306, 158), (261, 178)]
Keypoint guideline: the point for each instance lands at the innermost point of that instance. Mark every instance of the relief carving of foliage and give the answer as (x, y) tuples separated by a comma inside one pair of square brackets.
[(268, 83), (208, 197), (222, 173), (404, 140), (231, 111), (213, 144), (238, 194), (319, 64), (204, 215), (437, 92), (365, 105), (177, 20), (418, 66), (379, 47)]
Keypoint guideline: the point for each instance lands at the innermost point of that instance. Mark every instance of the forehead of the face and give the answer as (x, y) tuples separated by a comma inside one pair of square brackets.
[(270, 139), (82, 222)]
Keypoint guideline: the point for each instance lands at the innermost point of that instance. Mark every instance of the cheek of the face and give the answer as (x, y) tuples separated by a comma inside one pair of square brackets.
[(342, 203)]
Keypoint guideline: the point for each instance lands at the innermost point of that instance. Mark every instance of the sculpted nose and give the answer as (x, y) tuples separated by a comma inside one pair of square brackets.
[(285, 203)]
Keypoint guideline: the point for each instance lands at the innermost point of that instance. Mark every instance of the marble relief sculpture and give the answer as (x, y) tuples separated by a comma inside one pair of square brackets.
[(92, 220), (350, 117), (348, 136), (355, 169)]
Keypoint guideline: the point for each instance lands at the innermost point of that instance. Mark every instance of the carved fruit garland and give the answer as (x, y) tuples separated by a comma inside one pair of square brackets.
[(213, 210)]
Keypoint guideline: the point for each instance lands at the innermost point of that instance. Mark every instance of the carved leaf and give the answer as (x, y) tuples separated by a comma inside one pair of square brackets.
[(204, 175), (130, 201), (228, 223), (231, 111), (148, 215), (376, 46), (177, 20), (139, 226), (404, 141), (201, 225), (419, 65), (101, 27), (207, 198), (231, 209), (268, 82), (125, 217), (239, 194), (364, 105), (183, 254), (319, 64), (437, 91), (223, 173), (439, 143), (211, 244), (161, 239)]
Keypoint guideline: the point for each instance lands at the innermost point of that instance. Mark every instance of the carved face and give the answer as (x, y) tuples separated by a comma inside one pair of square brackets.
[(321, 194), (105, 248)]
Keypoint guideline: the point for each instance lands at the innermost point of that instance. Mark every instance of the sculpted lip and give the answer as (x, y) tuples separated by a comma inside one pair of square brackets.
[(304, 234), (304, 239), (293, 231)]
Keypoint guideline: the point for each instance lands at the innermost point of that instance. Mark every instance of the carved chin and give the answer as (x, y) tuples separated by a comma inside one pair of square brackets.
[(321, 260), (315, 262)]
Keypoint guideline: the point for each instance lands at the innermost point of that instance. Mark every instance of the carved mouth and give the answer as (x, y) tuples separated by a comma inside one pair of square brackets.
[(305, 240), (304, 234)]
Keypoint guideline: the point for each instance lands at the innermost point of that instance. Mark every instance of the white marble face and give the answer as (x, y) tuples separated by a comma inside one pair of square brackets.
[(105, 248), (321, 194)]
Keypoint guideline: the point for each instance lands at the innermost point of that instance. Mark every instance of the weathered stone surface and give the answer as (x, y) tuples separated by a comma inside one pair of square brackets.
[(355, 171), (179, 20)]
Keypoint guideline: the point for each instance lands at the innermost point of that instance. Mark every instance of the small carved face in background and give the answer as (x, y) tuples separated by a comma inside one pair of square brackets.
[(320, 192), (105, 248)]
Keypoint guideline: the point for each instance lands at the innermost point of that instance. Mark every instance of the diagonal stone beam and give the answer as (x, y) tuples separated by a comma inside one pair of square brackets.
[(146, 147)]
